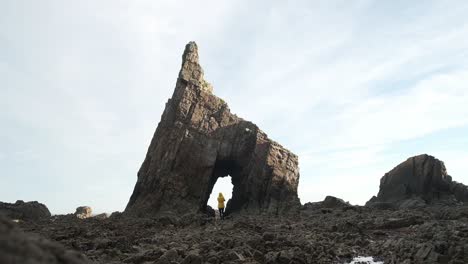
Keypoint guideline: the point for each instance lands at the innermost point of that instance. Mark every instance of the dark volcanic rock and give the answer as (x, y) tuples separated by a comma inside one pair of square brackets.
[(30, 211), (18, 247), (424, 235), (198, 140), (419, 181)]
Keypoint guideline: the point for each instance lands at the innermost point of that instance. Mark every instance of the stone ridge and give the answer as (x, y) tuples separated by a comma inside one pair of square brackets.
[(198, 140)]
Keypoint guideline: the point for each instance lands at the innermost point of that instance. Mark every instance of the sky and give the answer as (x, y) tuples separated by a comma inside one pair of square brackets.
[(352, 87)]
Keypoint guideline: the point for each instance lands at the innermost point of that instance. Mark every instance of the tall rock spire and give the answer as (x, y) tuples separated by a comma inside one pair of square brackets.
[(191, 71), (199, 140)]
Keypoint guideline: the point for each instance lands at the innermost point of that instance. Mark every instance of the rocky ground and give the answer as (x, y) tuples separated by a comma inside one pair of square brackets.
[(315, 235)]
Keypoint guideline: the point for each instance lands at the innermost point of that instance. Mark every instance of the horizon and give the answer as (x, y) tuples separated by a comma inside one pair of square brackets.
[(84, 86)]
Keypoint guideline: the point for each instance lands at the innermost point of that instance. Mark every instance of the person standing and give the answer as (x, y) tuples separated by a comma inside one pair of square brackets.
[(221, 205)]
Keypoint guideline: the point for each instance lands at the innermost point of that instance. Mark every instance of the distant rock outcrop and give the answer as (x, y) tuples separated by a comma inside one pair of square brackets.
[(198, 140), (330, 202), (83, 212), (419, 181), (29, 211)]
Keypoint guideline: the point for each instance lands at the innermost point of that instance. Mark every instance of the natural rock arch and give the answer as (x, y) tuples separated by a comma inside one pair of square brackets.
[(224, 168), (199, 140)]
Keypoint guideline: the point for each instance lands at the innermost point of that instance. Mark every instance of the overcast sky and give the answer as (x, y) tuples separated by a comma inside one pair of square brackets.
[(352, 87)]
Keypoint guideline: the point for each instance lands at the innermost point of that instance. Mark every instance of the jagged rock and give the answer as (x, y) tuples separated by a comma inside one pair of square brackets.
[(391, 236), (198, 140), (30, 211), (18, 247), (83, 212), (419, 181)]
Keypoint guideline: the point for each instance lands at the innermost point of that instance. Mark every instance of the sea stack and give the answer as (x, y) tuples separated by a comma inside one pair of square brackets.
[(199, 140)]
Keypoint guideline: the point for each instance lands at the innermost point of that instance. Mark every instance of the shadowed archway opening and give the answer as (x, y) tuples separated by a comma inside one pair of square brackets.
[(223, 171)]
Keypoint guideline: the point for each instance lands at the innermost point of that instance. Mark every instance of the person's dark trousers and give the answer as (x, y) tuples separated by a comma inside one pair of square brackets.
[(221, 213)]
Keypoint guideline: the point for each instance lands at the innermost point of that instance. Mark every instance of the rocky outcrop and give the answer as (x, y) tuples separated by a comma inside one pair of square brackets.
[(18, 247), (83, 212), (330, 202), (418, 181), (29, 211), (199, 140)]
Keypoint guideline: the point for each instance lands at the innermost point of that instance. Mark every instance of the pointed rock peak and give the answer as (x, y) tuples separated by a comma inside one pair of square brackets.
[(199, 140), (191, 71), (190, 53)]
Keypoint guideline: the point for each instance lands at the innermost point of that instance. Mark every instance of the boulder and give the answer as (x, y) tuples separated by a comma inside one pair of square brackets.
[(419, 181), (83, 212), (199, 140), (28, 211), (334, 202), (329, 202), (19, 247)]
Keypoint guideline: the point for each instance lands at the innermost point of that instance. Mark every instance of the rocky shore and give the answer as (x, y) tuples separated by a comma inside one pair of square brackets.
[(318, 235)]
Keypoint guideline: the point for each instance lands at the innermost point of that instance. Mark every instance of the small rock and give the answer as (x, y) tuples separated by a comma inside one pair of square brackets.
[(83, 212)]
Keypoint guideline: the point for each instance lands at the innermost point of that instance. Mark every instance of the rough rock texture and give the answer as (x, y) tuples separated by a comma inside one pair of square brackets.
[(199, 140), (18, 247), (83, 212), (31, 211), (419, 181), (335, 236)]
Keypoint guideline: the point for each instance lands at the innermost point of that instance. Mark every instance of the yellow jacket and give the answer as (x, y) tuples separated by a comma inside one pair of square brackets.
[(220, 201)]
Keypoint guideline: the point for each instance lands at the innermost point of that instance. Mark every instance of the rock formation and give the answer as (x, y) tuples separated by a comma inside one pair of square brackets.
[(419, 181), (198, 140), (330, 202), (83, 212), (327, 235), (31, 211), (18, 247)]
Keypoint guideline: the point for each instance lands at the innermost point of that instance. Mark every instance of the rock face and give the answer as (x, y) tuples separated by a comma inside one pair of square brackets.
[(30, 211), (199, 140), (18, 247), (419, 181), (83, 212)]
